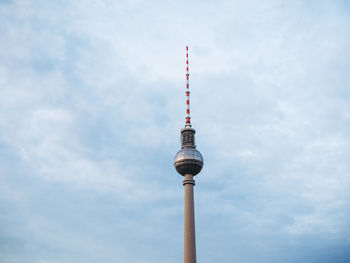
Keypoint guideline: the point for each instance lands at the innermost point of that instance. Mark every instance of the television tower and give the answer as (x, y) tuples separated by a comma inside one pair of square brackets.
[(188, 162)]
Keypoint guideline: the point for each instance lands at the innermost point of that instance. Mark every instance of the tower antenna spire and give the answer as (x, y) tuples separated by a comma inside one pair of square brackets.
[(188, 118)]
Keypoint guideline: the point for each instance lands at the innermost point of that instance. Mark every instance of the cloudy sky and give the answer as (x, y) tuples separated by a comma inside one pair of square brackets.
[(91, 106)]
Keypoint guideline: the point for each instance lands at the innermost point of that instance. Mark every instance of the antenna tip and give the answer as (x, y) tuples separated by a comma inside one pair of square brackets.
[(186, 47)]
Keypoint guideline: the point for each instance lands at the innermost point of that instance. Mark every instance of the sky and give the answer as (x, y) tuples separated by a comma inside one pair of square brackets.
[(92, 100)]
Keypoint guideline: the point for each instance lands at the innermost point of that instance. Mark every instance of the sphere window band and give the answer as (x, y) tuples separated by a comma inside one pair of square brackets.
[(185, 154)]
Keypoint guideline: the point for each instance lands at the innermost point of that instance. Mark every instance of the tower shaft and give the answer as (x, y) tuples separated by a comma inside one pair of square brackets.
[(189, 225)]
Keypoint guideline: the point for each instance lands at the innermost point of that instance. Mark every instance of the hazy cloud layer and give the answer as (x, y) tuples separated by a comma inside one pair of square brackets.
[(92, 102)]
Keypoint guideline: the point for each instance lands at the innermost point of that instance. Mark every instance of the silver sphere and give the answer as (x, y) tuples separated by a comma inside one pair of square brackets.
[(188, 161)]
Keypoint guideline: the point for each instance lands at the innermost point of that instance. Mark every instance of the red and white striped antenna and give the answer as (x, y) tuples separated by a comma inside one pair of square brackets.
[(188, 118)]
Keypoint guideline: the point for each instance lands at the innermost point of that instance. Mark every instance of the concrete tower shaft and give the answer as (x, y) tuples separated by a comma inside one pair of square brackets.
[(189, 225)]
